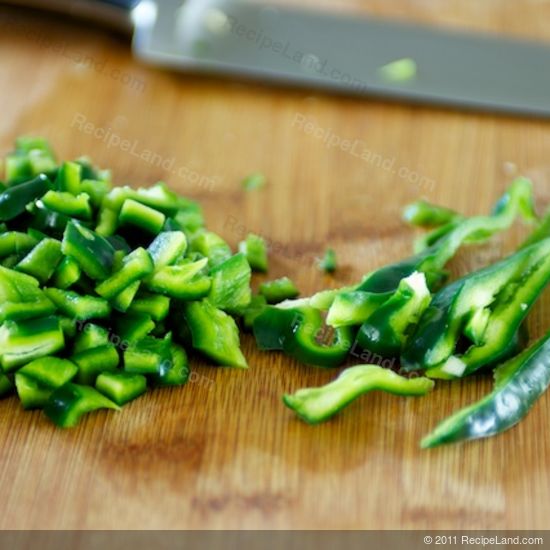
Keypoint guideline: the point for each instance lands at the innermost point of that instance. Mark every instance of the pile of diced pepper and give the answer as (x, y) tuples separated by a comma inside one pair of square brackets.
[(104, 289)]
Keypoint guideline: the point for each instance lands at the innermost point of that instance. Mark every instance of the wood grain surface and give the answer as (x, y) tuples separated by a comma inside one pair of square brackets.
[(222, 452)]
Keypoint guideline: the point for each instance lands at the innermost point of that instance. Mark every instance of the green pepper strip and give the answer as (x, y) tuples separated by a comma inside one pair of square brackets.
[(299, 332), (14, 200), (518, 384), (506, 290), (314, 405), (121, 387)]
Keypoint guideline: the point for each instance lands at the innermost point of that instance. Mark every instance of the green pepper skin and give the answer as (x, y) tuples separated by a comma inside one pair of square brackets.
[(255, 250), (518, 385), (121, 387), (299, 332), (14, 200), (279, 290), (315, 405), (70, 402), (425, 214), (508, 288)]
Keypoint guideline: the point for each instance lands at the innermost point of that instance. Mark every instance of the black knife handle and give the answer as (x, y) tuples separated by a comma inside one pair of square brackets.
[(113, 13)]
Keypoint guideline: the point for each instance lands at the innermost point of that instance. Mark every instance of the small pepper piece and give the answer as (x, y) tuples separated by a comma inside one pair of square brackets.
[(121, 387), (36, 381), (90, 336), (154, 305), (135, 267), (122, 301), (278, 290), (254, 181), (66, 203), (14, 200), (184, 281), (13, 242), (133, 327), (214, 333), (328, 262), (42, 261), (77, 306), (315, 405), (167, 247), (256, 306), (67, 273), (386, 331), (425, 214), (70, 402), (148, 356), (300, 333), (255, 250), (23, 341), (519, 383), (134, 213), (94, 253), (69, 178), (94, 361), (174, 372), (230, 290), (211, 246)]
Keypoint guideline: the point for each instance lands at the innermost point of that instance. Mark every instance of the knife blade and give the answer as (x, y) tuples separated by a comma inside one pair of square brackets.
[(341, 53)]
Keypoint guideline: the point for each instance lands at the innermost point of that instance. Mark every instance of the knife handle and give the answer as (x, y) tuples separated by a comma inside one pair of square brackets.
[(112, 13)]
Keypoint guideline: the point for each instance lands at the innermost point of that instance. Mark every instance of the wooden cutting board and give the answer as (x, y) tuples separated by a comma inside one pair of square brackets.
[(223, 452)]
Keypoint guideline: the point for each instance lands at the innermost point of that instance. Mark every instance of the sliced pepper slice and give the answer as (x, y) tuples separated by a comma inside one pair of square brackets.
[(507, 289), (211, 246), (214, 333), (154, 305), (13, 242), (69, 178), (70, 402), (148, 356), (136, 214), (67, 273), (174, 372), (14, 200), (300, 333), (94, 361), (37, 380), (121, 387), (167, 247), (66, 203), (90, 336), (314, 405), (133, 327), (255, 250), (184, 281), (519, 383)]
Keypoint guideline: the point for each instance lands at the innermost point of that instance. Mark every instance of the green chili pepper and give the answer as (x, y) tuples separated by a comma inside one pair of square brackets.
[(230, 289), (426, 214), (36, 381), (279, 290), (42, 261), (314, 405), (255, 250), (490, 304), (23, 341), (93, 253), (519, 382), (70, 402), (121, 387), (185, 281), (214, 333), (299, 332), (14, 200)]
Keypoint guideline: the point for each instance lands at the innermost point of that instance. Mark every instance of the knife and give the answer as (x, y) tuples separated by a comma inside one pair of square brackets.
[(348, 54)]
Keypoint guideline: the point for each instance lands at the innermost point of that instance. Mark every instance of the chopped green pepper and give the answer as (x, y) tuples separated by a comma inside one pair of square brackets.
[(42, 261), (80, 307), (185, 281), (69, 178), (519, 382), (254, 181), (154, 305), (121, 387), (214, 333), (67, 273), (174, 372), (66, 203), (137, 214), (70, 402), (230, 289), (94, 361), (148, 356), (14, 200), (167, 247), (37, 380), (328, 262), (279, 290), (133, 327), (255, 250)]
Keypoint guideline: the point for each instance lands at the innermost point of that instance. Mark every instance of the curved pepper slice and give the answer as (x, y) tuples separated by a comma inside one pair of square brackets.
[(491, 303), (14, 200), (300, 333), (314, 405), (70, 402), (518, 384)]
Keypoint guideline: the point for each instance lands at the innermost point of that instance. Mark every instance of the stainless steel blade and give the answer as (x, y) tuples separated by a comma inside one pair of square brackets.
[(344, 53)]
